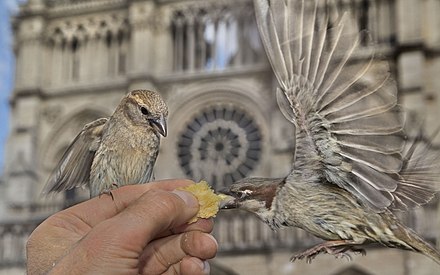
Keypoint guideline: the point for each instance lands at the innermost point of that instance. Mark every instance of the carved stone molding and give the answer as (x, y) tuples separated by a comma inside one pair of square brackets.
[(70, 6), (89, 27)]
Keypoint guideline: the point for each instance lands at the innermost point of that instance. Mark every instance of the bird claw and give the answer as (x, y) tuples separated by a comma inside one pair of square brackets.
[(338, 252), (109, 191), (357, 250), (309, 254)]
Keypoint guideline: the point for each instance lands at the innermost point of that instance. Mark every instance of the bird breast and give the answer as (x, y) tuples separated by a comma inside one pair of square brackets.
[(125, 157)]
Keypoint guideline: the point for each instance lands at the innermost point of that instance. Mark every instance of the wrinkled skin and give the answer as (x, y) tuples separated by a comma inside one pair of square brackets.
[(142, 231)]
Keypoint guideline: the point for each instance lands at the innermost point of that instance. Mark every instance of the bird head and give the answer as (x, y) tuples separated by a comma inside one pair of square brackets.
[(255, 195), (147, 108)]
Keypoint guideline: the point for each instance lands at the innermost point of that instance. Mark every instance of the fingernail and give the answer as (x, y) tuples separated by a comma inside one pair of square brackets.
[(188, 198), (204, 265)]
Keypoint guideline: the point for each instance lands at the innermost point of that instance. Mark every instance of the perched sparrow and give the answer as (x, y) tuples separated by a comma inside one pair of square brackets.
[(353, 163), (116, 151)]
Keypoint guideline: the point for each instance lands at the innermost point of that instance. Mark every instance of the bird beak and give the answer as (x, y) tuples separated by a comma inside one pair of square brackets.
[(228, 201), (160, 124)]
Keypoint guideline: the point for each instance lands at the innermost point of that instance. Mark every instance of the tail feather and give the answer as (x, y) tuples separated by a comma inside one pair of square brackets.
[(415, 243)]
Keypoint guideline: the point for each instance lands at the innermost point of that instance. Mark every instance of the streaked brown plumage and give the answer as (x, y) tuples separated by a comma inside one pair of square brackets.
[(117, 151), (353, 162)]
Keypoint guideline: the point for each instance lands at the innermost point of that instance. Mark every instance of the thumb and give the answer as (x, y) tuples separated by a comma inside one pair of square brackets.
[(154, 212), (146, 218), (128, 233)]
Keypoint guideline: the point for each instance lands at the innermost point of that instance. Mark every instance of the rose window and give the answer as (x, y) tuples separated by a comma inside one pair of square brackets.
[(221, 144)]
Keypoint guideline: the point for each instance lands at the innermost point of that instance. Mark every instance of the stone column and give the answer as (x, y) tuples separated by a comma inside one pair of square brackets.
[(142, 15), (410, 54), (431, 33), (432, 23), (29, 51), (20, 167), (21, 155), (164, 55)]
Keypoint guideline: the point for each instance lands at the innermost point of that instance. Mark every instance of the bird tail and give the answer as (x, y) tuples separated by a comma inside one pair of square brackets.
[(414, 242)]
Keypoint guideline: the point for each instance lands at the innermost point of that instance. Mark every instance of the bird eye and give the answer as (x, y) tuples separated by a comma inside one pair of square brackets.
[(144, 111), (242, 194)]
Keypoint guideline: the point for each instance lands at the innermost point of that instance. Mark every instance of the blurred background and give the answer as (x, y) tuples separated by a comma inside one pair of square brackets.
[(64, 63)]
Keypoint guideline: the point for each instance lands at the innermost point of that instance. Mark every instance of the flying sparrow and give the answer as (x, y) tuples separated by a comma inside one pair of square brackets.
[(353, 163), (115, 151)]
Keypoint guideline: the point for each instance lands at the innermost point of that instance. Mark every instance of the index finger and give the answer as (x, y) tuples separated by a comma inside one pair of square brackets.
[(98, 209)]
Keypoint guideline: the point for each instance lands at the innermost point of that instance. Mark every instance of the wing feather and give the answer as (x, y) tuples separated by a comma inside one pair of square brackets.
[(420, 174), (73, 170), (344, 107)]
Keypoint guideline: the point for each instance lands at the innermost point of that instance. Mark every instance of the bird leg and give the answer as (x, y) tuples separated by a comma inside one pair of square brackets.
[(109, 191), (338, 248)]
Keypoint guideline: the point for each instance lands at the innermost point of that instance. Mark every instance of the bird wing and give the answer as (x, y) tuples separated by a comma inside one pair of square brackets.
[(420, 174), (73, 170), (349, 128)]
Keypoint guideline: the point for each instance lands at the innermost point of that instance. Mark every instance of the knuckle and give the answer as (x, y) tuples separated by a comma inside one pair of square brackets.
[(161, 259), (198, 244), (163, 204), (174, 269), (166, 202)]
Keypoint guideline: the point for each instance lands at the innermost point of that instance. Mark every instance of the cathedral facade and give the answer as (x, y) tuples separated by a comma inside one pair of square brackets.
[(75, 60)]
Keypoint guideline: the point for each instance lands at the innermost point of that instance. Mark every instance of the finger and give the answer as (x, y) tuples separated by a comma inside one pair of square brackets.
[(189, 266), (154, 212), (203, 225), (160, 255), (105, 207), (125, 235)]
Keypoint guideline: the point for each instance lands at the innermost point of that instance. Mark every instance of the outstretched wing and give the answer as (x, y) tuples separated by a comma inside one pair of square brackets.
[(73, 170), (420, 174), (349, 128)]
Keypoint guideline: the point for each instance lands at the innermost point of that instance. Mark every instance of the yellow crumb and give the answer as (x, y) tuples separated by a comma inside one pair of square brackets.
[(208, 200)]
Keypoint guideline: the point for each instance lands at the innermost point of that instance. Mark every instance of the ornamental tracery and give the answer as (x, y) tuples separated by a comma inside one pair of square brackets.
[(221, 144), (87, 49)]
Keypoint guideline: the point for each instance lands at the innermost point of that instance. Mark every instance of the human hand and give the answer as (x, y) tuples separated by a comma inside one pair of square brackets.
[(142, 231)]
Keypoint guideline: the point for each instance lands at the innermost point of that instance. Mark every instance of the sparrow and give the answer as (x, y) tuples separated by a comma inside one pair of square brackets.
[(354, 162), (115, 151)]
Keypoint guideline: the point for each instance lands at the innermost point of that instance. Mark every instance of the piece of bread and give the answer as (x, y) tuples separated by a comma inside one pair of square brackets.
[(208, 200)]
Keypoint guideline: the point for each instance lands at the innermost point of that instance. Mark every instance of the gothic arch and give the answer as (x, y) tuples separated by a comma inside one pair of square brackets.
[(81, 33), (235, 134), (57, 37), (248, 93), (352, 270), (71, 44), (63, 133)]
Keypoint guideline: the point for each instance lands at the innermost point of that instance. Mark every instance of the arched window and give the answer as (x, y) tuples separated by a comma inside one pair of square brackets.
[(75, 59), (87, 51), (215, 37), (378, 17)]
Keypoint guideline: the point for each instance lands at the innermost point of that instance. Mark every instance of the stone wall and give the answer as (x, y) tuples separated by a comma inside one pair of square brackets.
[(76, 59)]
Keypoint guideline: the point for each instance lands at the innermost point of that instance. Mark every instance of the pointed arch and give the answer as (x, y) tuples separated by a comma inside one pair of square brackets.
[(352, 270), (208, 123), (64, 132)]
